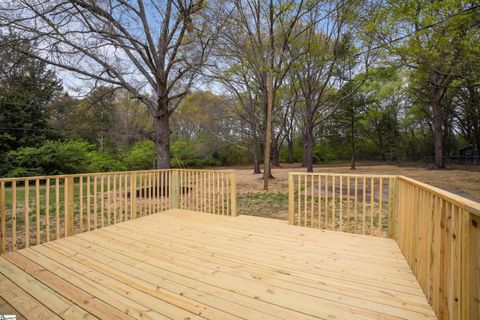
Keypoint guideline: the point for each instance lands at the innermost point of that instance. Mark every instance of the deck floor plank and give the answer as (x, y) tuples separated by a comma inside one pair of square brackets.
[(214, 262), (21, 301), (310, 255), (7, 309), (88, 302), (185, 265), (399, 282), (83, 281), (51, 299)]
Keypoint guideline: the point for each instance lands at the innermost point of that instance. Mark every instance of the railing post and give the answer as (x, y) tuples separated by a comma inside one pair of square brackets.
[(471, 274), (291, 198), (234, 193), (69, 218), (392, 206), (174, 190), (133, 195), (3, 220)]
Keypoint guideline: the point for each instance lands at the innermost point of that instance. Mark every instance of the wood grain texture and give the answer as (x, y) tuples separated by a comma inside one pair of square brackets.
[(183, 265), (439, 237)]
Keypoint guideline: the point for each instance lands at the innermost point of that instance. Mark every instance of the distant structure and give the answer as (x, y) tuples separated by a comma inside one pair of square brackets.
[(469, 154)]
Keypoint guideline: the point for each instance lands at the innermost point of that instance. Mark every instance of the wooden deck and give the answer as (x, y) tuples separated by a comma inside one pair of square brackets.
[(185, 265)]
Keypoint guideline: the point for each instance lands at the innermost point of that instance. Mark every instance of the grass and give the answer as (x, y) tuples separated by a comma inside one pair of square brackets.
[(275, 205), (20, 198), (41, 216), (265, 204)]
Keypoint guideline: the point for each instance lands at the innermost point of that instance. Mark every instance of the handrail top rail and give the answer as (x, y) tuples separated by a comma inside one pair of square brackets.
[(79, 175), (462, 202), (205, 170), (359, 175)]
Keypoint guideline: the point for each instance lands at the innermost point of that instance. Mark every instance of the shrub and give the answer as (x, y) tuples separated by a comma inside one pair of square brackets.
[(22, 162), (58, 157), (101, 162), (141, 156), (185, 154)]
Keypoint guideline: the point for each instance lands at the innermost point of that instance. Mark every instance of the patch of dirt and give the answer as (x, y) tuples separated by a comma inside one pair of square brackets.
[(264, 204), (465, 183)]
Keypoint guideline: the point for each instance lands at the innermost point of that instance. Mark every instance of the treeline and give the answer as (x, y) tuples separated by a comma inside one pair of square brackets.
[(45, 131), (334, 80)]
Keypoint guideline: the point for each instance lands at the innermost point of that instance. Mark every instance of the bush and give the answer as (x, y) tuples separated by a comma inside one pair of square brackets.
[(22, 162), (58, 157), (67, 157), (233, 155), (184, 154), (141, 156), (102, 162)]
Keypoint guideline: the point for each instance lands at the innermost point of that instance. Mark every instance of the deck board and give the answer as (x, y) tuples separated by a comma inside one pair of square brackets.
[(186, 265)]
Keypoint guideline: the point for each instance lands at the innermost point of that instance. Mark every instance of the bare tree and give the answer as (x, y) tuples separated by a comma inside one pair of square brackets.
[(253, 45), (153, 49), (328, 62), (235, 77)]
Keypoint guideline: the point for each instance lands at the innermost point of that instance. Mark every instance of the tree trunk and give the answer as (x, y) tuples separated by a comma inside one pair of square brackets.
[(308, 143), (256, 163), (435, 99), (290, 150), (353, 164), (161, 127), (304, 158), (275, 153), (275, 157), (475, 115), (267, 168)]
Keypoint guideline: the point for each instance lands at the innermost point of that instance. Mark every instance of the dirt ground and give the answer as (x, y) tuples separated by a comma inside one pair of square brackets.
[(274, 204)]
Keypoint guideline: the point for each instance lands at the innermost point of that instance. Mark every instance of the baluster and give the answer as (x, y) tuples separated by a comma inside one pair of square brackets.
[(14, 216), (47, 208), (37, 210), (27, 214)]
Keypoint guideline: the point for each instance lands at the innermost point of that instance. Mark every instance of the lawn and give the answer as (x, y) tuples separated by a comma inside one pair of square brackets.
[(252, 200)]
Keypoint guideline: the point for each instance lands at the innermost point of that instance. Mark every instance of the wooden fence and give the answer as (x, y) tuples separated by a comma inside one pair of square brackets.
[(437, 231), (350, 203), (35, 210)]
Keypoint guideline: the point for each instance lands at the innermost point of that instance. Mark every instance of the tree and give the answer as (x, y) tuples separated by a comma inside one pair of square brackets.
[(153, 49), (283, 122), (383, 95), (26, 88), (253, 45), (95, 116), (433, 39), (203, 120), (330, 57), (467, 112), (291, 122), (348, 116), (465, 99)]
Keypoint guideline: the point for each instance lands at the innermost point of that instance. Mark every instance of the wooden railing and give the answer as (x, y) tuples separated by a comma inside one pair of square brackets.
[(437, 231), (35, 210), (350, 203), (439, 235), (209, 191)]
